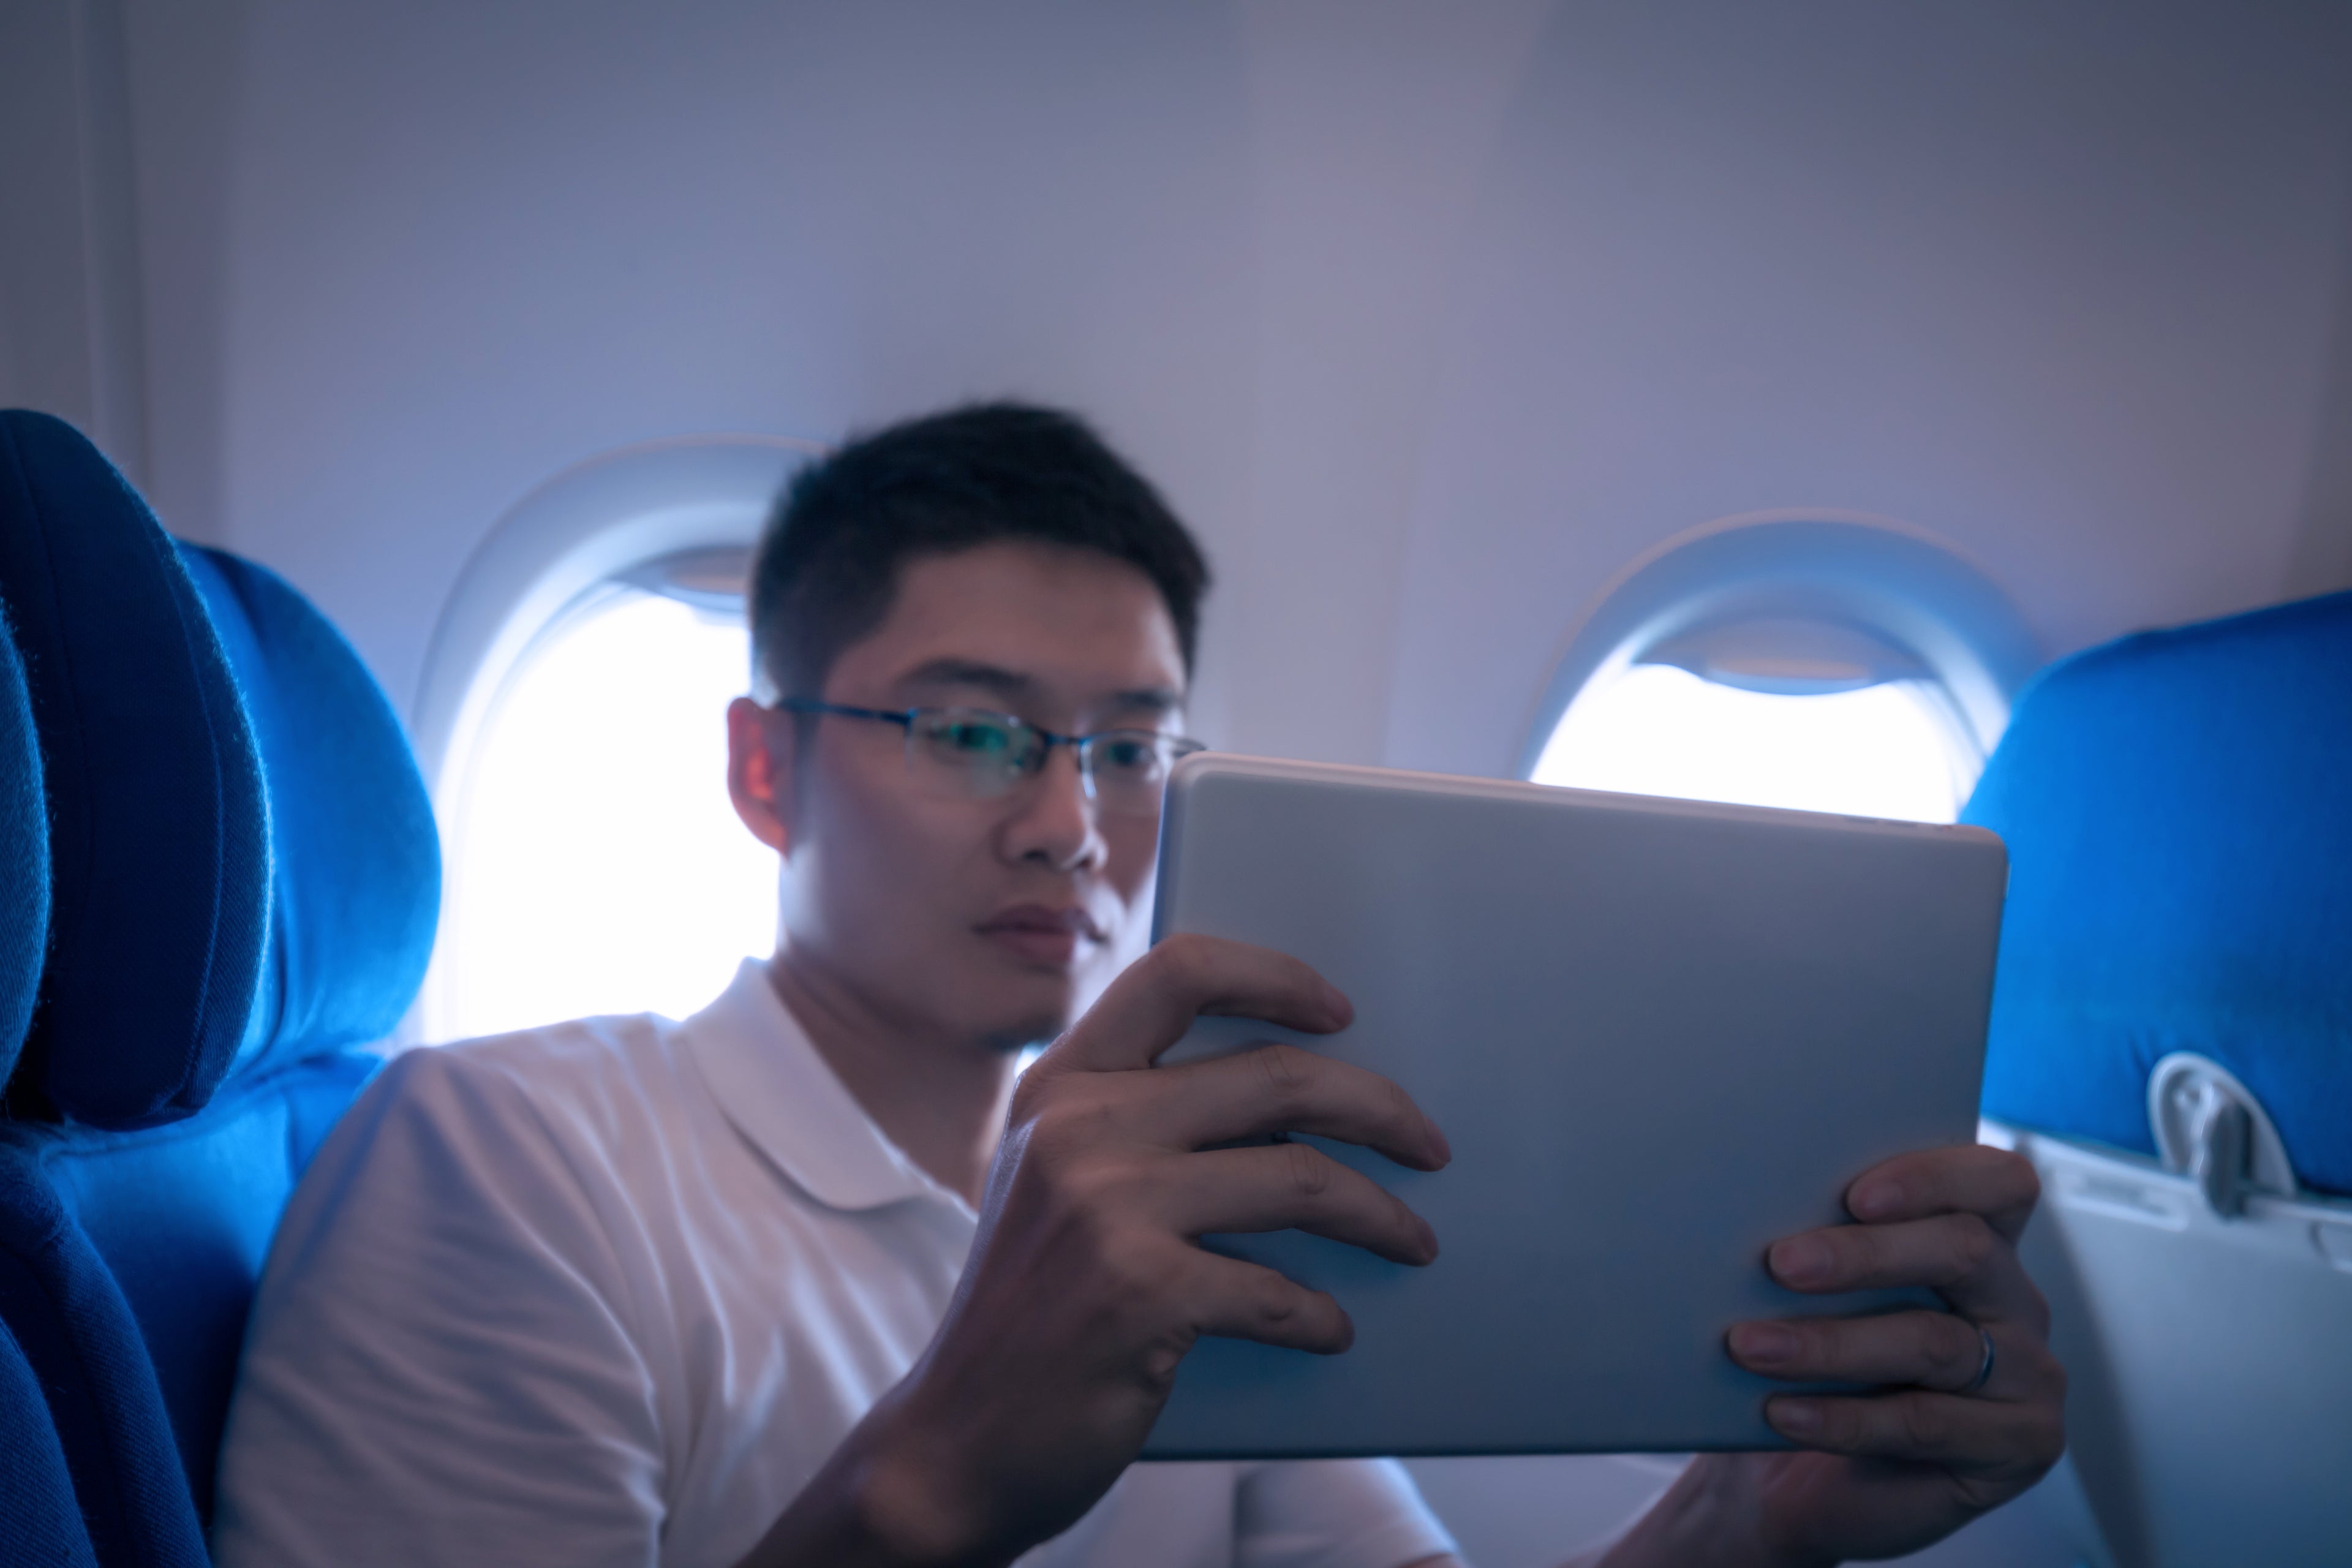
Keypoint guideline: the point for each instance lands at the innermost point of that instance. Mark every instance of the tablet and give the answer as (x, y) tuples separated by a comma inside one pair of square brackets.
[(1659, 1035)]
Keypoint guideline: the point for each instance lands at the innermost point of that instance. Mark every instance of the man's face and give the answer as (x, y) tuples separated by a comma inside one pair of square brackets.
[(985, 916)]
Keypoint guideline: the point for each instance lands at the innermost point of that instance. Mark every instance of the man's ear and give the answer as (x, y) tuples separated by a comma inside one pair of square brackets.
[(760, 772)]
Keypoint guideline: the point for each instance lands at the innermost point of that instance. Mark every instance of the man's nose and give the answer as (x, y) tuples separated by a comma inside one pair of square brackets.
[(1056, 820)]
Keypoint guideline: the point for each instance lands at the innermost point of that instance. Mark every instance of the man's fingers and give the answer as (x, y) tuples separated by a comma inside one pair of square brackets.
[(1290, 1186), (1995, 1184), (1239, 1300), (1147, 1008), (1282, 1089), (1933, 1350), (1959, 1255), (1971, 1437)]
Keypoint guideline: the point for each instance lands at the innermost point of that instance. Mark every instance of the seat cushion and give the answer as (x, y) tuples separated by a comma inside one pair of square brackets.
[(2180, 849)]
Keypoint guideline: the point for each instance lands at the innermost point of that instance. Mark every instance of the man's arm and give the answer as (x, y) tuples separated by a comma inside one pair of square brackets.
[(1085, 1288), (437, 1370)]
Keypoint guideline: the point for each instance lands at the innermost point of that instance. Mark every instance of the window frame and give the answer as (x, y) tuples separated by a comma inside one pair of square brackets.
[(598, 520), (1891, 579)]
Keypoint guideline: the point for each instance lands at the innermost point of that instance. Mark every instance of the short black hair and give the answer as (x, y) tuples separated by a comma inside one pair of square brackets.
[(828, 563)]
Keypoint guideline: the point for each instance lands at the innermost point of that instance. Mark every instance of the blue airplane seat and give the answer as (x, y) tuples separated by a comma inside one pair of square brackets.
[(36, 1495), (202, 1018), (2181, 880), (2171, 1044)]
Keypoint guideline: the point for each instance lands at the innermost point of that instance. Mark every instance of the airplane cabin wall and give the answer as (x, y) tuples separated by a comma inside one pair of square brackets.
[(1429, 318), (71, 338)]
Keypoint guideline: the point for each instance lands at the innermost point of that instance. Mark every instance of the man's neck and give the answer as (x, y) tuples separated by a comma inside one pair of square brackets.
[(939, 1098)]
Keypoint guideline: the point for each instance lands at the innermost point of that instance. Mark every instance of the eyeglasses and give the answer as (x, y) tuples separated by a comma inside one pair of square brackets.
[(977, 755)]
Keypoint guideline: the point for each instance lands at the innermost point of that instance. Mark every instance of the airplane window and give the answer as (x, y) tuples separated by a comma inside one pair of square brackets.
[(1842, 663), (1890, 750), (595, 864)]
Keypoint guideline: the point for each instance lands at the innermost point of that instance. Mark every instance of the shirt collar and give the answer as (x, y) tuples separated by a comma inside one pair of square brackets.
[(780, 1094)]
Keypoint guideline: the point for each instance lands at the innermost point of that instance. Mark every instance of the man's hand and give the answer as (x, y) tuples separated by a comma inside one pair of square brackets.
[(1086, 1285), (1931, 1447)]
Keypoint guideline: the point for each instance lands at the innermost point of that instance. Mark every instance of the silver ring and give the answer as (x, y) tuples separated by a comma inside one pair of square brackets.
[(1984, 1372)]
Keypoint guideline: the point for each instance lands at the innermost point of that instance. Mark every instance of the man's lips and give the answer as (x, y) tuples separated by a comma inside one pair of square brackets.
[(1040, 932)]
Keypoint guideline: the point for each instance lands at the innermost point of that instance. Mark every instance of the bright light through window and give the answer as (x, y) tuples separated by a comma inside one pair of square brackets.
[(597, 864), (1884, 751)]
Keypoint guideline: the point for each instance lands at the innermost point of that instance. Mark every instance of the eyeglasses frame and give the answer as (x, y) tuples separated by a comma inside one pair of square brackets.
[(1081, 746)]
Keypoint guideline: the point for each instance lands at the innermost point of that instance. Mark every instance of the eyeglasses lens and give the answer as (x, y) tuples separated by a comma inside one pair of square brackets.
[(982, 755), (973, 754), (1129, 768)]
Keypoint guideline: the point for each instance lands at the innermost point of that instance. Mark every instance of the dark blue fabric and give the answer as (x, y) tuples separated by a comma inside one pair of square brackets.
[(2178, 812), (63, 1310), (158, 826), (356, 860), (326, 886), (40, 1524), (184, 1215), (24, 857)]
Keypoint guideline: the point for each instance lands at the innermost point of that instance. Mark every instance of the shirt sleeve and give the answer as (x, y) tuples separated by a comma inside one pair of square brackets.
[(1333, 1513), (439, 1368)]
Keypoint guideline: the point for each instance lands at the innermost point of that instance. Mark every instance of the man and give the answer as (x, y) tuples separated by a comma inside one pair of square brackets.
[(810, 1278)]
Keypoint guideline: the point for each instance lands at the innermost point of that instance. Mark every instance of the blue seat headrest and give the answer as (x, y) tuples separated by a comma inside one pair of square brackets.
[(356, 859), (245, 868), (2180, 853), (24, 857), (158, 835)]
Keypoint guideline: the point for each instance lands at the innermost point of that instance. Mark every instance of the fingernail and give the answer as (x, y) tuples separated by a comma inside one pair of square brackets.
[(1876, 1200), (1343, 1012), (1799, 1261), (1794, 1417), (1767, 1343), (1438, 1144), (1428, 1240)]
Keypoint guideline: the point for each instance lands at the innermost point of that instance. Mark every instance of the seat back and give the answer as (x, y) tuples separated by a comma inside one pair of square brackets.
[(171, 1129), (184, 1213), (2210, 1377), (2172, 1044), (36, 1495)]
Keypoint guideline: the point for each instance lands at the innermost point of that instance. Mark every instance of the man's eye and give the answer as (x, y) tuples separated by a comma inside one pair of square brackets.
[(1128, 756), (980, 739)]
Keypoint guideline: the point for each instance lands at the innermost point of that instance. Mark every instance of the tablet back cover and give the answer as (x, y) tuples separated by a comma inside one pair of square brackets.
[(1659, 1035)]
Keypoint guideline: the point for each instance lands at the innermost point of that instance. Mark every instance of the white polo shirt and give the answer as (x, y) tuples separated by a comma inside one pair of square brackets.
[(608, 1294)]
